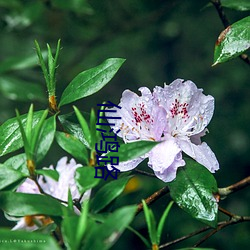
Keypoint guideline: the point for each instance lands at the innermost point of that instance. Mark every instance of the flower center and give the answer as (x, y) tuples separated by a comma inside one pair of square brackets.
[(141, 115), (180, 110)]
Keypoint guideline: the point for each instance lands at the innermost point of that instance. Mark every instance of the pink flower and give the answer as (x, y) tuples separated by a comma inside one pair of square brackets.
[(177, 115), (58, 189)]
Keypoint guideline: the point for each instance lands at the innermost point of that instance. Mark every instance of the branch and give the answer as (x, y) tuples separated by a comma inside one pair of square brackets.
[(204, 229), (144, 173), (152, 198), (226, 23), (223, 192), (235, 220)]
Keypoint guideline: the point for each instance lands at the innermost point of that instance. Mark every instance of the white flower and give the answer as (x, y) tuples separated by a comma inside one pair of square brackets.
[(177, 115), (58, 189)]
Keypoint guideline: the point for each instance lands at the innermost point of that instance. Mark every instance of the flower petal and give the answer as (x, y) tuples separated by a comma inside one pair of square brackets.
[(165, 158), (140, 116), (66, 180), (189, 110), (21, 225), (128, 165), (201, 153), (29, 187)]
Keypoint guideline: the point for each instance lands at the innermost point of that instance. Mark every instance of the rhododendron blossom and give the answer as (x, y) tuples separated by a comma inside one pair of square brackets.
[(177, 115), (58, 189)]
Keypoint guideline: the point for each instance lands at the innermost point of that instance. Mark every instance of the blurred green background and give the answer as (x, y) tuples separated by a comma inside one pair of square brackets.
[(161, 41)]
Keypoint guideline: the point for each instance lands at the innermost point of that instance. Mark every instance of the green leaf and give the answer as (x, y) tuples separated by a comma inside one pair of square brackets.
[(143, 239), (18, 162), (241, 5), (151, 223), (133, 150), (73, 146), (233, 41), (19, 90), (74, 228), (53, 174), (105, 235), (9, 175), (193, 191), (10, 136), (20, 204), (72, 127), (85, 178), (90, 81), (108, 193), (84, 125), (46, 137), (82, 223), (162, 221), (69, 231), (16, 240), (92, 125)]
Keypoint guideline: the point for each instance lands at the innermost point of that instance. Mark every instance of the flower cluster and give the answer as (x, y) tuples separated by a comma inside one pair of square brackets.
[(177, 116), (58, 189)]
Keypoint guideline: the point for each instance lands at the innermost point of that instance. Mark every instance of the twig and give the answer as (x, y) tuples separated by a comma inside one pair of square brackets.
[(204, 229), (223, 192), (226, 23), (235, 220), (222, 15), (224, 211), (42, 192), (144, 173), (152, 198)]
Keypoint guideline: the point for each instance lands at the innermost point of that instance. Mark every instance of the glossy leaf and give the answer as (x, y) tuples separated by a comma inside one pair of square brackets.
[(108, 193), (18, 162), (20, 204), (93, 132), (193, 191), (53, 174), (105, 235), (73, 146), (84, 125), (74, 228), (69, 230), (241, 5), (9, 175), (133, 150), (90, 81), (16, 240), (72, 127), (233, 41), (162, 221), (151, 223), (19, 90), (10, 136), (46, 137), (85, 178)]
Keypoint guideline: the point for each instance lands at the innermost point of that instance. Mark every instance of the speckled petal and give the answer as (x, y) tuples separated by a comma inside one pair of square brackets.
[(129, 165), (201, 153), (189, 110), (165, 158), (29, 187)]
